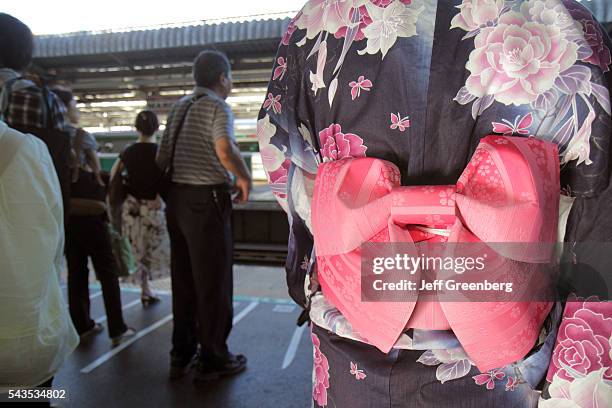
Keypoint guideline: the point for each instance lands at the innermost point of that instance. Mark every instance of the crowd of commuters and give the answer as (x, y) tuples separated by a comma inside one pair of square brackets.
[(192, 170)]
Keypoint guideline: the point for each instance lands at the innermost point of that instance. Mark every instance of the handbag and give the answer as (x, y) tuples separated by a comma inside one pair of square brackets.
[(122, 250), (87, 197), (167, 171)]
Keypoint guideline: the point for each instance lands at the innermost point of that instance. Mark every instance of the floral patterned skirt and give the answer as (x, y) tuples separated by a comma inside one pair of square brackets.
[(144, 223), (350, 373)]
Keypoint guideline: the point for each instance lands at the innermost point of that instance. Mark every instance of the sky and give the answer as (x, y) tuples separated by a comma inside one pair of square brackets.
[(64, 16)]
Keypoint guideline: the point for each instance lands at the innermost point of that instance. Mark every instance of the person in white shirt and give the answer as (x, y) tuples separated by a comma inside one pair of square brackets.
[(36, 333)]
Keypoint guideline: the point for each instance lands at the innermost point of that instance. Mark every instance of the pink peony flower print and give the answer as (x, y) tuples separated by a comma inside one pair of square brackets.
[(337, 145), (549, 12), (324, 15), (601, 53), (274, 103), (517, 60), (591, 391), (476, 14), (583, 344), (320, 382), (279, 72), (357, 86), (489, 378)]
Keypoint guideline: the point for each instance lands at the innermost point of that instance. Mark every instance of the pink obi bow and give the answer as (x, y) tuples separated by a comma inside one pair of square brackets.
[(509, 193)]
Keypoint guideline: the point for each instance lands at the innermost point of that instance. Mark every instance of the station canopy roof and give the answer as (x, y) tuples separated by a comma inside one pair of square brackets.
[(114, 74)]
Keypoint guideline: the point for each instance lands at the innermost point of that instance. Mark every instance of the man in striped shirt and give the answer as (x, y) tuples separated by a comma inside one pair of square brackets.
[(200, 148)]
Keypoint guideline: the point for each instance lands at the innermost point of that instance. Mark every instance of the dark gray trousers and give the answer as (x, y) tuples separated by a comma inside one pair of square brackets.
[(199, 223)]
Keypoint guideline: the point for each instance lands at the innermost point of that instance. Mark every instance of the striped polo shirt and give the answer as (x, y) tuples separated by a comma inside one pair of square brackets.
[(195, 159)]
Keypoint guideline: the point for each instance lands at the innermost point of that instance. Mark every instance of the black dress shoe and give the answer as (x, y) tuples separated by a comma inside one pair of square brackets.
[(179, 367), (208, 371)]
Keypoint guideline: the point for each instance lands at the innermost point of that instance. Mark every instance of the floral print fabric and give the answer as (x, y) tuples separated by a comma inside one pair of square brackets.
[(357, 375), (357, 78), (144, 223), (580, 373)]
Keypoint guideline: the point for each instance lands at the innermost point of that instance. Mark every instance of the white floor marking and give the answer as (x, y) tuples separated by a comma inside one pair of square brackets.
[(245, 312), (293, 346), (283, 308), (107, 356)]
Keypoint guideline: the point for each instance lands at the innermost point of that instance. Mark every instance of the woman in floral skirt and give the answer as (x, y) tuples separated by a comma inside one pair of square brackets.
[(143, 216)]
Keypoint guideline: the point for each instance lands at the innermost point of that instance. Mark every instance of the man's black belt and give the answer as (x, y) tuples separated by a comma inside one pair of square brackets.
[(203, 187)]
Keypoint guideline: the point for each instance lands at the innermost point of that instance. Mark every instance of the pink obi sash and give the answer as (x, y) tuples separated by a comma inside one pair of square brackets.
[(509, 193)]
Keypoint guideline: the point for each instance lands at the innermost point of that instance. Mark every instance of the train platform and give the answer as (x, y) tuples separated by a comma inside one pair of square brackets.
[(136, 373)]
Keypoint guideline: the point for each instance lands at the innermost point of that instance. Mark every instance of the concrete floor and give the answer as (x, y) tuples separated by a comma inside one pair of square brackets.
[(279, 353)]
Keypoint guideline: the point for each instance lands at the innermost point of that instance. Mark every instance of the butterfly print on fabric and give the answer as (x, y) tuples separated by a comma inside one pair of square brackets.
[(519, 127), (279, 72), (362, 84), (397, 122), (489, 378), (359, 374), (274, 103)]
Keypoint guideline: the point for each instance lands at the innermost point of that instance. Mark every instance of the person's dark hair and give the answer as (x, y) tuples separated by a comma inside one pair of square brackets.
[(208, 67), (64, 95), (147, 122), (16, 43)]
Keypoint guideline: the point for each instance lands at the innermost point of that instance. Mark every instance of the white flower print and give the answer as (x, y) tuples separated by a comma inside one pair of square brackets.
[(396, 20), (317, 78), (452, 364)]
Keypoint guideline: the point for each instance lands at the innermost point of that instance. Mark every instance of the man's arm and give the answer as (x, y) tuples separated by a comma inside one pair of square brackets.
[(229, 156), (228, 152)]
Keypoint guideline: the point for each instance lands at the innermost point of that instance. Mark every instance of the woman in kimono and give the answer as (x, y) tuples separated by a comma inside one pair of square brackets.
[(420, 84)]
